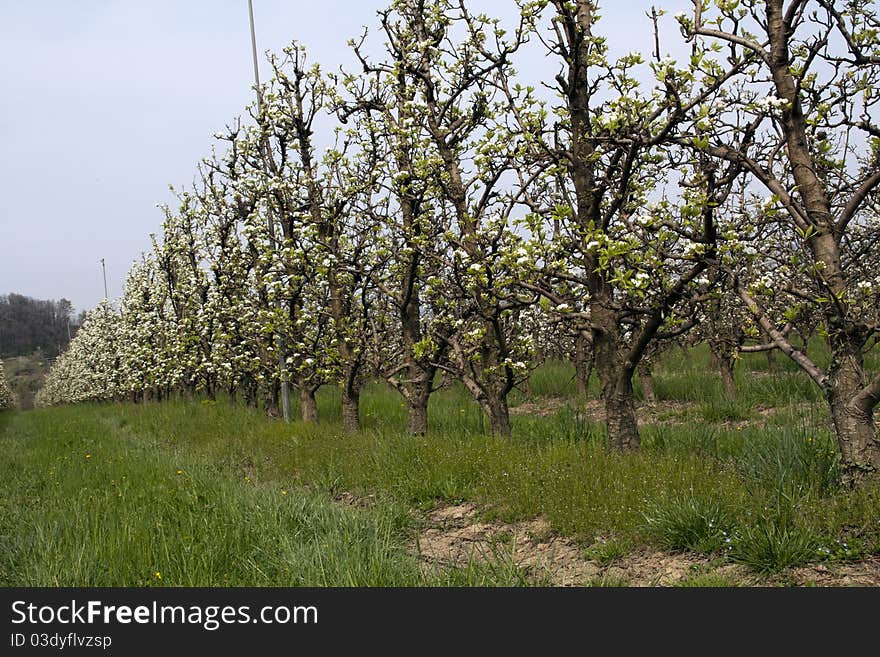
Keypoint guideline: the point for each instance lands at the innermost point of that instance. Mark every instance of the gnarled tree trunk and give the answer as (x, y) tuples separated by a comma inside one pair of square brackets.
[(616, 378), (852, 411)]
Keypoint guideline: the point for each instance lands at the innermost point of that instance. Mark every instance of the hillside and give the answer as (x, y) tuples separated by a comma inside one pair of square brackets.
[(28, 325), (25, 375)]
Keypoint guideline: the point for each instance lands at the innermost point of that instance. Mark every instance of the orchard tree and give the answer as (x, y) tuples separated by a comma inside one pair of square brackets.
[(802, 120), (7, 399), (334, 192), (145, 334), (447, 61), (614, 254), (408, 230), (89, 369), (180, 257), (291, 330), (227, 204)]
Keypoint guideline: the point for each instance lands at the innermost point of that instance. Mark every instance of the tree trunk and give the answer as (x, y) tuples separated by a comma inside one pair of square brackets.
[(308, 404), (772, 364), (583, 365), (853, 416), (417, 418), (646, 379), (620, 416), (271, 398), (728, 381), (417, 408), (351, 421), (616, 378), (499, 415), (722, 358), (805, 340), (250, 392)]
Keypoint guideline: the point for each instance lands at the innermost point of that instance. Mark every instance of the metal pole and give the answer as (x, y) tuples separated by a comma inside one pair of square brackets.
[(282, 351), (254, 53), (104, 270)]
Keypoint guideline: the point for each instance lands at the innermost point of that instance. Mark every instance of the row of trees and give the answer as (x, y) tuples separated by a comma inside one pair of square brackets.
[(435, 214), (7, 399)]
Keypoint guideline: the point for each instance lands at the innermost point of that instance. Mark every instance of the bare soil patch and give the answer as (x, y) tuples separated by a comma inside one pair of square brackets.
[(861, 573), (453, 535), (661, 412), (542, 408)]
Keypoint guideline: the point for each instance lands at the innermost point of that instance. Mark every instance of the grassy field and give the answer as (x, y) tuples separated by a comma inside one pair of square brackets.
[(213, 494)]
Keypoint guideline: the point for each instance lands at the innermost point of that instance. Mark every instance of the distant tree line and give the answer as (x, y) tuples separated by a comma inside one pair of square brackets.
[(28, 325)]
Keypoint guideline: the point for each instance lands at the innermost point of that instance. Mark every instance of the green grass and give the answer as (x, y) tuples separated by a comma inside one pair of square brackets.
[(710, 580), (117, 498), (208, 493), (690, 523)]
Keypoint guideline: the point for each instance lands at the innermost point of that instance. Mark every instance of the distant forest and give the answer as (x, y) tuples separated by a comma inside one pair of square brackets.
[(28, 325)]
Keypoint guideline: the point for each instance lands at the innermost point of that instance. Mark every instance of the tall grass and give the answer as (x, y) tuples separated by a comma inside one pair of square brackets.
[(120, 497), (213, 493)]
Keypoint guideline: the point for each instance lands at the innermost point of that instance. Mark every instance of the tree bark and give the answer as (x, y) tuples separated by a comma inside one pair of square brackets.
[(417, 408), (852, 412), (772, 364), (616, 378), (351, 421), (620, 416), (250, 392), (499, 415), (271, 398), (728, 381), (417, 418), (722, 358), (308, 404)]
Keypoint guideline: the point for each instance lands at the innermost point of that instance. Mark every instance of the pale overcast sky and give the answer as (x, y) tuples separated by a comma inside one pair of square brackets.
[(104, 103)]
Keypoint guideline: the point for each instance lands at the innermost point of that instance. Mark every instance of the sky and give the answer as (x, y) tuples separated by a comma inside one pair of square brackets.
[(105, 103)]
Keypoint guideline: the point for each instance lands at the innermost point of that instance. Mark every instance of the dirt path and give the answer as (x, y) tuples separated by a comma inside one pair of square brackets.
[(594, 410), (454, 534), (661, 412)]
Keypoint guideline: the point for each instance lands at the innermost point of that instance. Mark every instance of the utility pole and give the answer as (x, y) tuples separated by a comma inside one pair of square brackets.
[(282, 351), (254, 52), (104, 270)]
